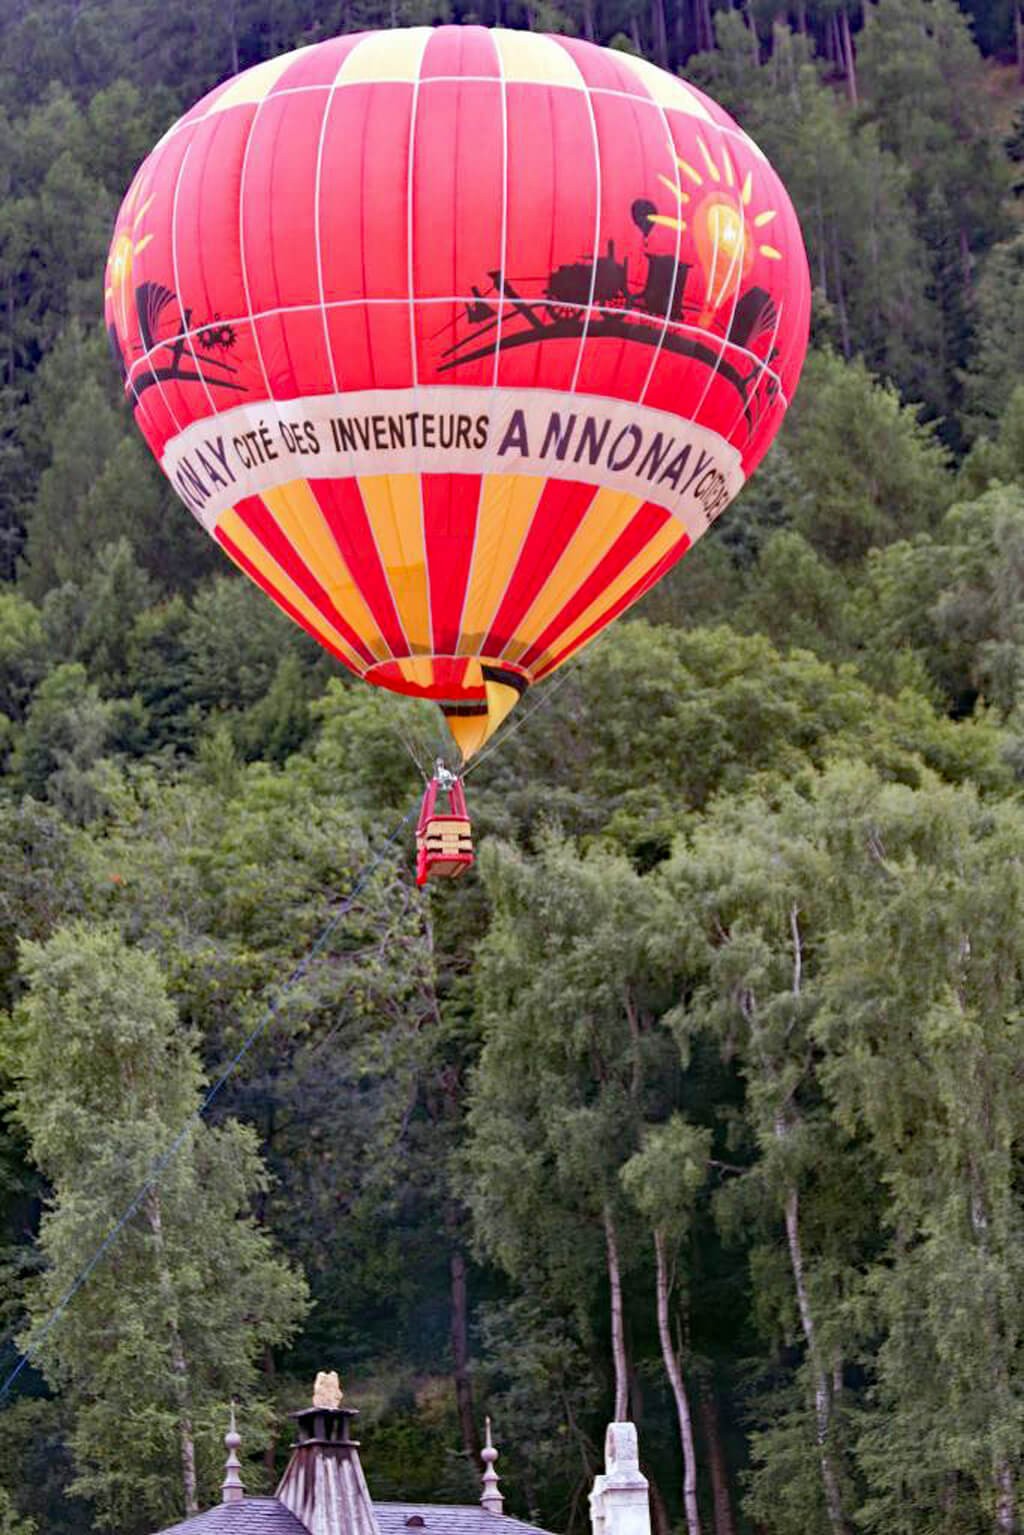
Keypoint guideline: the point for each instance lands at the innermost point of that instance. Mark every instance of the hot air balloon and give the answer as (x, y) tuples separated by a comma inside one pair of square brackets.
[(455, 340)]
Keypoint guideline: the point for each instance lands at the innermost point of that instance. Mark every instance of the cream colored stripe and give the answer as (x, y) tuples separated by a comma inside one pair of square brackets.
[(297, 513), (386, 56), (608, 515), (667, 90), (532, 59), (635, 571), (393, 508), (507, 506), (255, 83), (232, 526)]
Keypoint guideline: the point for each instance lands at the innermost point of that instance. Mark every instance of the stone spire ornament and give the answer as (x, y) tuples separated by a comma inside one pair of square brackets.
[(232, 1489), (491, 1499)]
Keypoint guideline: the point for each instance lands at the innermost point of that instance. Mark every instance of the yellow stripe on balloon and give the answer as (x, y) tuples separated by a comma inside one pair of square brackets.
[(297, 513), (608, 515), (634, 572), (386, 56), (395, 512), (419, 670), (532, 59), (234, 528), (507, 506)]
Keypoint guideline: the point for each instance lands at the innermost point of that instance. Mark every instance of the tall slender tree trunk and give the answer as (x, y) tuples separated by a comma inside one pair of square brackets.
[(675, 1376), (1003, 1476), (844, 323), (1019, 32), (819, 1374), (661, 1521), (618, 1332), (848, 55), (179, 1364), (460, 1356), (270, 1453), (725, 1522), (660, 27), (822, 1393)]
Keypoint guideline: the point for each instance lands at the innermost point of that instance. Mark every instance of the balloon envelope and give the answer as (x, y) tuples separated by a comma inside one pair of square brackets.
[(456, 339)]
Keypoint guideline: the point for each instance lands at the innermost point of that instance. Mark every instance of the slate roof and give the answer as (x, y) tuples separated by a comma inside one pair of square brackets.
[(266, 1516), (249, 1516), (448, 1519)]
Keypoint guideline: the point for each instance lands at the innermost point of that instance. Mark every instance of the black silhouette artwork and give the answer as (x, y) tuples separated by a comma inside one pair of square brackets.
[(593, 297), (171, 354)]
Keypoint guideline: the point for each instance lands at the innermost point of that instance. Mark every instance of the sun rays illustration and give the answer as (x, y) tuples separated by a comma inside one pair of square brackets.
[(717, 213), (128, 244)]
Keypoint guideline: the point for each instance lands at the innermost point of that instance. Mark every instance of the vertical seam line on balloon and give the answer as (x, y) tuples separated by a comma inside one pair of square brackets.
[(362, 305), (410, 201), (243, 261), (502, 258), (503, 249), (760, 371), (584, 572), (598, 196), (675, 270), (513, 569), (187, 330), (147, 361), (409, 204), (317, 183), (736, 296)]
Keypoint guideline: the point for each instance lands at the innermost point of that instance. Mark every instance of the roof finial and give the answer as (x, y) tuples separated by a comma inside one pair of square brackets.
[(491, 1499), (232, 1489)]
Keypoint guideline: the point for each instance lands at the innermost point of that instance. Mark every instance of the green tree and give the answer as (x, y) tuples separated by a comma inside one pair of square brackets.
[(176, 1318), (919, 1017), (997, 359), (10, 1524), (873, 472), (662, 1179)]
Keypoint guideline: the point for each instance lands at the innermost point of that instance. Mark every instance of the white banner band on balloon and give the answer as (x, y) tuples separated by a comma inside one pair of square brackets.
[(447, 429)]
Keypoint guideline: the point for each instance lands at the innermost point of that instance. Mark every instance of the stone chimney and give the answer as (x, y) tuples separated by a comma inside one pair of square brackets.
[(324, 1486), (619, 1502)]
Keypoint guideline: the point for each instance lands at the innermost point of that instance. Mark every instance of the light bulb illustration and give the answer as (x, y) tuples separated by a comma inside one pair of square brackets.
[(725, 235)]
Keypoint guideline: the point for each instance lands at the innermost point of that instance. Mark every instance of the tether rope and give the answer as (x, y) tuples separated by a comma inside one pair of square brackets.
[(161, 1163)]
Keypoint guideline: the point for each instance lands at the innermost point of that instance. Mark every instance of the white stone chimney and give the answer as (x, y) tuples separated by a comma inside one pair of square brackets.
[(619, 1503)]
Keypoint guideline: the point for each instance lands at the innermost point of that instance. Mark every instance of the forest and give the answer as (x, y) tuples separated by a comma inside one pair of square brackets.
[(701, 1100)]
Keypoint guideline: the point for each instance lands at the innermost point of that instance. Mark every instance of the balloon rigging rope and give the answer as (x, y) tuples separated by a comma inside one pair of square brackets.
[(541, 703), (161, 1163)]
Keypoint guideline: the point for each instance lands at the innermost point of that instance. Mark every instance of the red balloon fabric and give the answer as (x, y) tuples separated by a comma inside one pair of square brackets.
[(456, 339)]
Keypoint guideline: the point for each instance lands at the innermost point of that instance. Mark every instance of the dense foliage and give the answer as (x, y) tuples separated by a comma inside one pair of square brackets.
[(701, 1100)]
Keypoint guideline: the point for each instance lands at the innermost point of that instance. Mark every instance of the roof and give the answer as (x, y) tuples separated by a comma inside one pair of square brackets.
[(249, 1516), (266, 1516), (448, 1519)]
